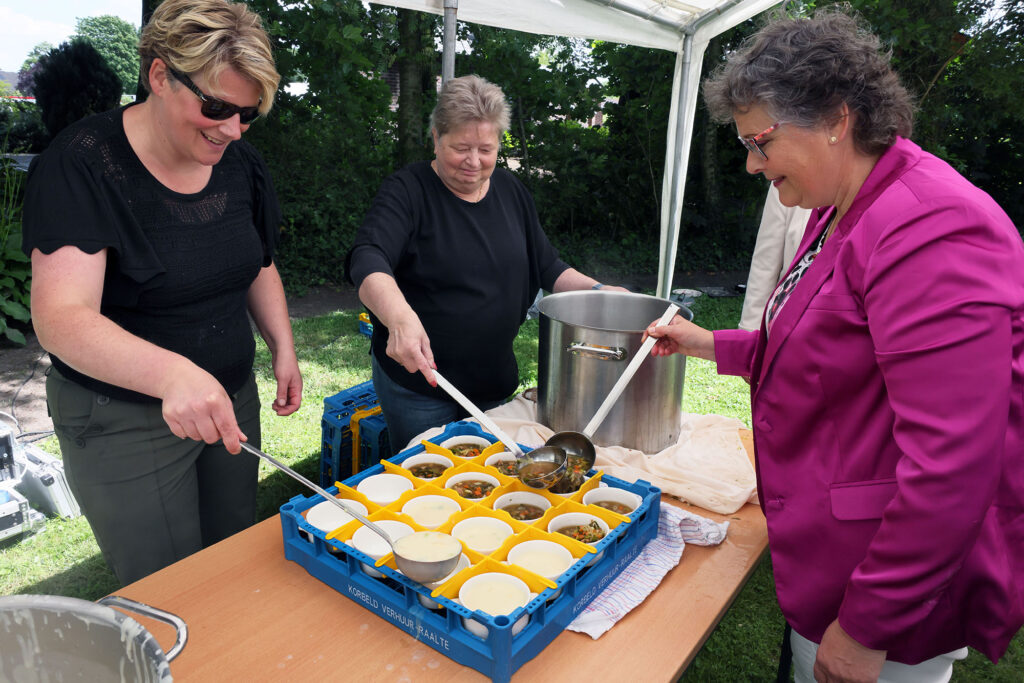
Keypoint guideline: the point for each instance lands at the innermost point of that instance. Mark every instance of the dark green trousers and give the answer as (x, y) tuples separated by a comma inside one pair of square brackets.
[(151, 498)]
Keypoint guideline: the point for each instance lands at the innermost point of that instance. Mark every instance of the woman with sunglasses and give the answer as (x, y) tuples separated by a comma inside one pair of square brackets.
[(887, 379), (152, 231)]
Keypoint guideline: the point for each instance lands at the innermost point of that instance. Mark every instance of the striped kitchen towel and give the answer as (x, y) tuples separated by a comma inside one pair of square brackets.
[(676, 527)]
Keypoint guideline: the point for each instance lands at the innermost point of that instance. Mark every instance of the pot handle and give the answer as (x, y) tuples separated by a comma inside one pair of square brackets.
[(180, 627), (596, 352)]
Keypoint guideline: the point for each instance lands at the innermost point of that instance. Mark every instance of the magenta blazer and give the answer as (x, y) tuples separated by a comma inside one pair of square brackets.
[(888, 416)]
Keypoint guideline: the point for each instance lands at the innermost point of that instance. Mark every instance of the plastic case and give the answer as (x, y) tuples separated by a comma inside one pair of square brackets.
[(402, 602), (44, 483), (336, 444)]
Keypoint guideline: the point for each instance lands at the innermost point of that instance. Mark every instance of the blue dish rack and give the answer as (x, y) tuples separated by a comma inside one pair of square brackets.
[(336, 444), (396, 598)]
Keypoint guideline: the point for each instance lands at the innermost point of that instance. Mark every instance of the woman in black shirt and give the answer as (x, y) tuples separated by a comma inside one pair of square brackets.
[(448, 260), (152, 231)]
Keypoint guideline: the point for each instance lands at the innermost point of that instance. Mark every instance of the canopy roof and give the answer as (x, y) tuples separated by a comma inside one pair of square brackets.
[(681, 27)]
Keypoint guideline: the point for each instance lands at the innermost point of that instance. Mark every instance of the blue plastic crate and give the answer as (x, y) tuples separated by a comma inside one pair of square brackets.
[(395, 598), (336, 430), (374, 444)]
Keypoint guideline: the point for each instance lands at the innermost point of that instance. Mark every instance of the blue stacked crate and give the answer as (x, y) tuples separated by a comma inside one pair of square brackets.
[(365, 326), (336, 430), (374, 444)]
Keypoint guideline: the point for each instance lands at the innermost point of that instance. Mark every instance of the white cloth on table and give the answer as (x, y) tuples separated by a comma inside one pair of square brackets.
[(708, 466), (676, 527)]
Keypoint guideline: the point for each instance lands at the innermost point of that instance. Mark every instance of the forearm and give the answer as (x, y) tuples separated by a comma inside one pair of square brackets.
[(380, 293), (94, 345), (572, 279), (269, 310)]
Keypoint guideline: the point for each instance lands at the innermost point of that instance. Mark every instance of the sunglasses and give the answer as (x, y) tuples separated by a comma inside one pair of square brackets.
[(216, 109), (751, 143)]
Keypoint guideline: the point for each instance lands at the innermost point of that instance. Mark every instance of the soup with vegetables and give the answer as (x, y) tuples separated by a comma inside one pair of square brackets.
[(588, 533), (614, 506), (575, 475), (427, 470), (473, 488), (466, 450), (523, 511), (506, 467)]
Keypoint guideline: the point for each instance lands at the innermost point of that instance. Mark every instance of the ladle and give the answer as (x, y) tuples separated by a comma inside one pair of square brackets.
[(417, 570), (579, 444), (541, 468)]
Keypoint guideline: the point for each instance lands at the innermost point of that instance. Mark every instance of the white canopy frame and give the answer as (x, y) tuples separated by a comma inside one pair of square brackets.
[(685, 28)]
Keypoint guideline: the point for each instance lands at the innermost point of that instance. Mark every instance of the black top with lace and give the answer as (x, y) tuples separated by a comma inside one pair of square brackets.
[(179, 266)]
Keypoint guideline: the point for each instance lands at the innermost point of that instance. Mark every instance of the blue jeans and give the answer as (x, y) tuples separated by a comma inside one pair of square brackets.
[(409, 413)]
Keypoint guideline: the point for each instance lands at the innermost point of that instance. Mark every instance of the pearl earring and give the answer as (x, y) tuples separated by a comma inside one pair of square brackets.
[(833, 140)]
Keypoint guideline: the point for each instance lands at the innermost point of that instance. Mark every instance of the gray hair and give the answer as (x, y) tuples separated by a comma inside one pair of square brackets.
[(803, 70), (469, 99)]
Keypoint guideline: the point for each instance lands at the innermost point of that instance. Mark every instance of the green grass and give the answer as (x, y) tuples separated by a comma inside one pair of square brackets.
[(63, 558)]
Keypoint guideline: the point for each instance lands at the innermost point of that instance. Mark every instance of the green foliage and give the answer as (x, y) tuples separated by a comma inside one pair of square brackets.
[(118, 41), (72, 82), (329, 149), (21, 125), (15, 269)]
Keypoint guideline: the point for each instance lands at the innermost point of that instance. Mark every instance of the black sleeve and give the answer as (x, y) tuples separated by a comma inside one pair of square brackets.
[(70, 202), (386, 231)]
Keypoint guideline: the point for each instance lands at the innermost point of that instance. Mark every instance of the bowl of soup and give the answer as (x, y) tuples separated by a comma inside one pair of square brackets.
[(497, 595), (383, 489), (466, 447), (472, 485), (482, 534), (426, 466), (367, 541), (326, 516), (504, 462), (523, 506), (610, 498), (583, 527), (430, 511), (575, 476), (546, 558)]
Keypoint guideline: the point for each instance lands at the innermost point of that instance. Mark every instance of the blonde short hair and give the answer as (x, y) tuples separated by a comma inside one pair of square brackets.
[(207, 36), (468, 99)]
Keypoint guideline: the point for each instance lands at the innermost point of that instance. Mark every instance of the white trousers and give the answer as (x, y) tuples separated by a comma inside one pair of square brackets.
[(935, 670)]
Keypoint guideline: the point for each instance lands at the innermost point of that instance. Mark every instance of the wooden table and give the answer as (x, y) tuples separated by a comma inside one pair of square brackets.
[(252, 615)]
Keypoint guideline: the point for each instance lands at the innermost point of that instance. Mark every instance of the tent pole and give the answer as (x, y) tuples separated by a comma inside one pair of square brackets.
[(451, 10)]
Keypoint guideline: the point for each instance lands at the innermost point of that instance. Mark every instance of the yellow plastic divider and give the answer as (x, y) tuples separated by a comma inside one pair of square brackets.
[(354, 428)]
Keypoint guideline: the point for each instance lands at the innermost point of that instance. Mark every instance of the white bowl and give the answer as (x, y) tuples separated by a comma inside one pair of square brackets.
[(367, 541), (611, 494), (430, 511), (504, 456), (465, 438), (482, 534), (546, 558), (497, 595), (522, 498), (423, 459), (383, 489), (326, 516), (576, 518), (471, 476), (426, 600)]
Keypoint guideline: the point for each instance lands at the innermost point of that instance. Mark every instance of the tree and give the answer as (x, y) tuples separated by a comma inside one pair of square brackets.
[(28, 68), (72, 82), (117, 41)]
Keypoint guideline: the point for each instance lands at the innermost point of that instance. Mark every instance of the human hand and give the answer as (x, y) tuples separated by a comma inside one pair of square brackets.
[(841, 659), (409, 345), (289, 384), (614, 288), (196, 406), (681, 336)]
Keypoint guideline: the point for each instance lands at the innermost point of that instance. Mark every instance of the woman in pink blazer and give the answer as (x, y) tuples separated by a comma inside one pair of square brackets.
[(887, 379)]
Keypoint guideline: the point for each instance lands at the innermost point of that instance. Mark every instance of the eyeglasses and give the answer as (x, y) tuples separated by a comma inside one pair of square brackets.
[(216, 109), (751, 143)]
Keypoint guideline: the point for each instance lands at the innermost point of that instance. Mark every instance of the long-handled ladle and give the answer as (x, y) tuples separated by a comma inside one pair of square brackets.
[(418, 570), (541, 468), (580, 444)]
